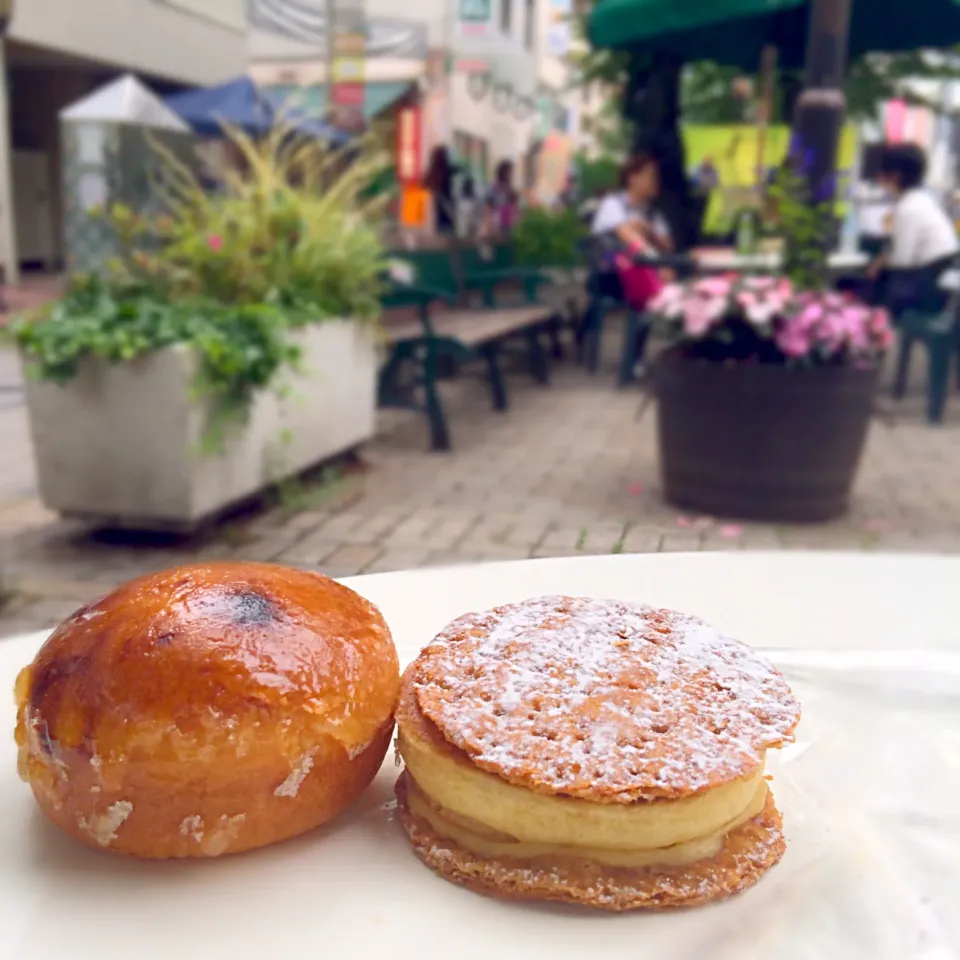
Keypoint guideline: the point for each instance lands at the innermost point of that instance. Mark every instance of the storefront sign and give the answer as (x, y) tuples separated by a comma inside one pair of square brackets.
[(475, 19), (410, 145), (558, 29), (348, 66)]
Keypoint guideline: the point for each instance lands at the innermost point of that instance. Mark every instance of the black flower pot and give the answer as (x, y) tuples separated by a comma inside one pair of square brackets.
[(760, 441)]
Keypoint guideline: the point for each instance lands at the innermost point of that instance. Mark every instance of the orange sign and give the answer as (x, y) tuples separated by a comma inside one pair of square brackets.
[(414, 205)]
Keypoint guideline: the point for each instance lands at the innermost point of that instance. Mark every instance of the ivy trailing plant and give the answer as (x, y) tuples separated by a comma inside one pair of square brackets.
[(292, 240)]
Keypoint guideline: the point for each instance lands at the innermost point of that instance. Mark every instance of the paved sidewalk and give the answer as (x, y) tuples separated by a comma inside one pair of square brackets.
[(567, 470)]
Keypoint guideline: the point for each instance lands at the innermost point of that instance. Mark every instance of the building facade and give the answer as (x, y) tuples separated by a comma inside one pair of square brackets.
[(492, 75), (56, 51)]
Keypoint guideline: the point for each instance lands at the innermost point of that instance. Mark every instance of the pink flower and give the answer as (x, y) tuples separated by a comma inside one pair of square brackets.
[(794, 340), (670, 301), (714, 286), (810, 316), (761, 311), (879, 320), (834, 301), (215, 243), (701, 314), (760, 283), (884, 338)]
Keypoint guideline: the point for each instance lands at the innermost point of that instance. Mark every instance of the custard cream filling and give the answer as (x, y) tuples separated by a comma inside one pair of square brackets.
[(492, 811), (480, 843)]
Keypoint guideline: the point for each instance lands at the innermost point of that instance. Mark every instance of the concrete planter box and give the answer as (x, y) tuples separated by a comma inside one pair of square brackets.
[(121, 444)]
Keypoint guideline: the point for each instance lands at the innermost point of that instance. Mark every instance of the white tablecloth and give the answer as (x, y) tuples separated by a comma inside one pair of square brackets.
[(869, 795)]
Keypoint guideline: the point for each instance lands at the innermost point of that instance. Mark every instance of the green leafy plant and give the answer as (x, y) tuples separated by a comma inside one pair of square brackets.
[(805, 220), (549, 238), (291, 240), (598, 175)]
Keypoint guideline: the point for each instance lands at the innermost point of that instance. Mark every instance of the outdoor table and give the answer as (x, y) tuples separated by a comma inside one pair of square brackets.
[(868, 792), (840, 262)]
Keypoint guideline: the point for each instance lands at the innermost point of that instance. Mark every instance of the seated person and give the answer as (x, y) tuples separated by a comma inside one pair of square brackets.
[(626, 212), (923, 241), (624, 216)]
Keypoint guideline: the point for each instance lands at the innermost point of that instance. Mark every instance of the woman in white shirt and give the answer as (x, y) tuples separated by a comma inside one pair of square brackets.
[(874, 208), (623, 222), (625, 212), (923, 240)]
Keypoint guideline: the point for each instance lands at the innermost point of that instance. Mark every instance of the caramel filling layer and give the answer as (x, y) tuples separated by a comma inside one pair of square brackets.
[(494, 811), (478, 840)]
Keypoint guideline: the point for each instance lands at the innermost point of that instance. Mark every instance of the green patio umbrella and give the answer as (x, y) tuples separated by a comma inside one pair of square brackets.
[(736, 31)]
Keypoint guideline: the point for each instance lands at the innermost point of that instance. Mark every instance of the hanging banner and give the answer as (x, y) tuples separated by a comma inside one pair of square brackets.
[(560, 13), (410, 145), (552, 168), (895, 120), (348, 65), (920, 127)]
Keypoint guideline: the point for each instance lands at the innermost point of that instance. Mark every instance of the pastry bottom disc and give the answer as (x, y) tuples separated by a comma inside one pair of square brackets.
[(748, 852)]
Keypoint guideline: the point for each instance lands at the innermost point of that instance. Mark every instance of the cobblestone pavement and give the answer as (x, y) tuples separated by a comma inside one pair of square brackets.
[(568, 470)]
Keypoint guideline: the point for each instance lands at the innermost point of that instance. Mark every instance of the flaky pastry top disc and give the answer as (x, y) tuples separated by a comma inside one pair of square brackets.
[(602, 700)]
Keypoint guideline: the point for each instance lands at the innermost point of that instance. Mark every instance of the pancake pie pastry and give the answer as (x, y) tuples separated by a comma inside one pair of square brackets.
[(592, 752)]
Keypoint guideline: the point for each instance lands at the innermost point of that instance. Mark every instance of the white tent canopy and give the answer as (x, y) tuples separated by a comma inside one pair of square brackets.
[(125, 100)]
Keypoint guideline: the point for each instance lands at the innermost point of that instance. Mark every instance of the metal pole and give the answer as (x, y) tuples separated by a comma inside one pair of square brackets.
[(768, 69), (330, 18), (818, 122)]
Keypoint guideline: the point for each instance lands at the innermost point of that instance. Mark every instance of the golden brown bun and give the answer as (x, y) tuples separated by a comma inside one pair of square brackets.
[(208, 710), (748, 852)]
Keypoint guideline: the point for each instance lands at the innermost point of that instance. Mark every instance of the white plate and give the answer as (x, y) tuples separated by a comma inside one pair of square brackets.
[(869, 794)]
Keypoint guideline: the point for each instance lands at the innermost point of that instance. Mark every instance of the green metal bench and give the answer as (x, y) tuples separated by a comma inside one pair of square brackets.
[(427, 345), (494, 272)]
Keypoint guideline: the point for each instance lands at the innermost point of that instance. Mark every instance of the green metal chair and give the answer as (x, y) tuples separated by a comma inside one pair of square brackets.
[(938, 333), (933, 323)]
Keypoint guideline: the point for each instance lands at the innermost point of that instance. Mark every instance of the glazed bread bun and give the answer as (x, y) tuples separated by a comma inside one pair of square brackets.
[(208, 710)]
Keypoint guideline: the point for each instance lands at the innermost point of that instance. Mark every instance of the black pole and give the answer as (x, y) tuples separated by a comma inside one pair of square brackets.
[(821, 107)]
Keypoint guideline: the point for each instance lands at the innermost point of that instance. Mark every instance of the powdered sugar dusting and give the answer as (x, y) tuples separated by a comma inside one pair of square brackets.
[(603, 699)]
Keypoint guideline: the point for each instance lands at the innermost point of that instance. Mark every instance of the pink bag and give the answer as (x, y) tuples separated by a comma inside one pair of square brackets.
[(640, 283), (509, 214)]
